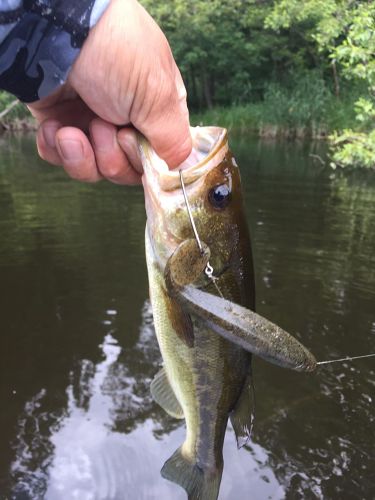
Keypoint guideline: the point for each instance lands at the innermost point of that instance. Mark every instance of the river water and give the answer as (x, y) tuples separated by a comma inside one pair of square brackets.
[(77, 347)]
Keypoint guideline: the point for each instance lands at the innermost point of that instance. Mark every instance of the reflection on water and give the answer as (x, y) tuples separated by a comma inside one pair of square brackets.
[(78, 353), (88, 458)]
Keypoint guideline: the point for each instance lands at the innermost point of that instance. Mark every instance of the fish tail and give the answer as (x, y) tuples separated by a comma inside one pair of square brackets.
[(198, 483)]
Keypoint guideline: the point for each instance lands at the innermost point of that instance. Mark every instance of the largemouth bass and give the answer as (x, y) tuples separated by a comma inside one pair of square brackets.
[(206, 377)]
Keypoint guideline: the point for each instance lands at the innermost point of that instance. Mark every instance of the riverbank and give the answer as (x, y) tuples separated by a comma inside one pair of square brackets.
[(19, 125), (306, 111), (351, 144), (279, 117), (334, 122), (14, 115)]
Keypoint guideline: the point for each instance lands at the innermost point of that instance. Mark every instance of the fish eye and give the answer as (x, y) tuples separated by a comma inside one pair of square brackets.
[(219, 196)]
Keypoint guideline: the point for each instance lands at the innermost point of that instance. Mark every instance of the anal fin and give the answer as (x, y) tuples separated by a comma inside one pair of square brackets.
[(243, 414), (163, 394)]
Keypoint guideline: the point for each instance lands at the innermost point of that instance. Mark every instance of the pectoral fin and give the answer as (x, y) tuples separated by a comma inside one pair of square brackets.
[(248, 329), (243, 414), (164, 396), (181, 322)]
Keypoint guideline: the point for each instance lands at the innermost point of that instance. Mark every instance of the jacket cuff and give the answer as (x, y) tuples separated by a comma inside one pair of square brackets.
[(42, 40)]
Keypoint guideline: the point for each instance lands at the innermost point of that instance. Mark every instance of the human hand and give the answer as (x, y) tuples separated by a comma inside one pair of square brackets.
[(124, 75)]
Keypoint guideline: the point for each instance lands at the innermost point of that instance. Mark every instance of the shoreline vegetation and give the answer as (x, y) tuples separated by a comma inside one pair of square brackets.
[(14, 116), (282, 115), (285, 115), (307, 109), (297, 113), (241, 119), (281, 68), (278, 69)]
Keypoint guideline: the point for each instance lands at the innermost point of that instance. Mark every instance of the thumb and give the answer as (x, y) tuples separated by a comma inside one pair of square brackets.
[(167, 126)]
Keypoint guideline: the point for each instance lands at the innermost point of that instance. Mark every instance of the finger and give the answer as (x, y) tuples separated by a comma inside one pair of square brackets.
[(77, 154), (127, 138), (64, 106), (46, 141), (111, 160)]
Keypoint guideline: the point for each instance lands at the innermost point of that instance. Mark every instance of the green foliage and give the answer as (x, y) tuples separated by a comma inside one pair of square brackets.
[(344, 31), (284, 113), (5, 99), (17, 114), (241, 118), (300, 104), (286, 67), (356, 54), (365, 110), (352, 148), (220, 46), (322, 21)]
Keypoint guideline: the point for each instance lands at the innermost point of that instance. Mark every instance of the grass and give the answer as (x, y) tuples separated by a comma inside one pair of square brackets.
[(303, 108), (306, 110), (14, 115)]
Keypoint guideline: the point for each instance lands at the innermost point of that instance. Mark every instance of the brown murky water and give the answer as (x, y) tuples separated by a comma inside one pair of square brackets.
[(77, 349)]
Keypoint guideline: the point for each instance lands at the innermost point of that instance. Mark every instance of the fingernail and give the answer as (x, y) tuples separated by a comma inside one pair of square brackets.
[(71, 150), (49, 134)]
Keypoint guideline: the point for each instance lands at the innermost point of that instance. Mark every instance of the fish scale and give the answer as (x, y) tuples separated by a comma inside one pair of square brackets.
[(206, 377)]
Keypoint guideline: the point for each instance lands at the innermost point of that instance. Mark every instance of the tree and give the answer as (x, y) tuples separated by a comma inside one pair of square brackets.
[(220, 46), (344, 32)]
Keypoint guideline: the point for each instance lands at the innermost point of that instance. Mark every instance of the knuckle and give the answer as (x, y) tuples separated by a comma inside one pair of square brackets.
[(48, 156), (111, 169), (82, 173)]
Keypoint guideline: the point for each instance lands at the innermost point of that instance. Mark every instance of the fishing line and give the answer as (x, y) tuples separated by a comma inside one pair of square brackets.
[(190, 214), (348, 358), (209, 271)]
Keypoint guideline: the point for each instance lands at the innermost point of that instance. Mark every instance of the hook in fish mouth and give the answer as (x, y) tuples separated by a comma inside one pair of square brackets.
[(210, 144)]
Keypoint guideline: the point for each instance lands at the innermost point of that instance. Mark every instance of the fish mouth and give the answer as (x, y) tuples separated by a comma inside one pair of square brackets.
[(167, 216), (210, 145)]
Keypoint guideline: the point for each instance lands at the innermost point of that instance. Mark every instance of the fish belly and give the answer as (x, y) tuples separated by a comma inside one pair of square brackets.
[(206, 377)]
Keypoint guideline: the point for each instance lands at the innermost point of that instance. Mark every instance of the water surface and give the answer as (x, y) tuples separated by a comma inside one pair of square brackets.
[(78, 353)]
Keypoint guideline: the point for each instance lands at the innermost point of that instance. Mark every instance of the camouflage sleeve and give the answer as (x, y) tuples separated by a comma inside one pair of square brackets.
[(40, 40)]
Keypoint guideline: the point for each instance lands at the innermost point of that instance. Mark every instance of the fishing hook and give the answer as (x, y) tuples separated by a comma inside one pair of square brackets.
[(209, 271)]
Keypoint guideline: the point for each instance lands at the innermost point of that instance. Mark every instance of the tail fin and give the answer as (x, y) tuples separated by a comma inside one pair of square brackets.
[(198, 484)]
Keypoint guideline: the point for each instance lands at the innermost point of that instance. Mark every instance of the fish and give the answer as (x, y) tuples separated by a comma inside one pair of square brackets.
[(206, 327)]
